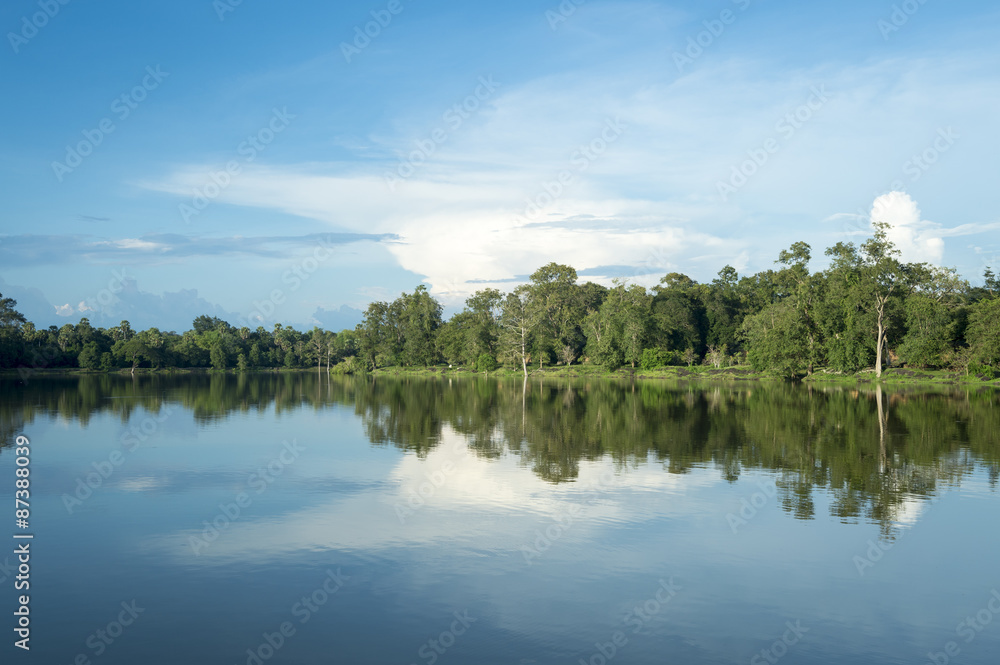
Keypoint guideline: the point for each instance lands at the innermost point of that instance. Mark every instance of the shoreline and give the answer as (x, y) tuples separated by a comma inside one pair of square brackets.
[(890, 377)]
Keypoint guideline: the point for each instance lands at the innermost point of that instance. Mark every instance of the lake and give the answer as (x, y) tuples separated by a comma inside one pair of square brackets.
[(298, 518)]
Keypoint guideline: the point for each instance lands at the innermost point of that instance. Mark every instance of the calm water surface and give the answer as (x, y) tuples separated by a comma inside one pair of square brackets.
[(483, 521)]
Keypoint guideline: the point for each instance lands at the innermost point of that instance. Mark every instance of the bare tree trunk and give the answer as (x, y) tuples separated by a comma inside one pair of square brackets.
[(881, 431), (524, 394), (524, 356), (880, 339), (878, 350)]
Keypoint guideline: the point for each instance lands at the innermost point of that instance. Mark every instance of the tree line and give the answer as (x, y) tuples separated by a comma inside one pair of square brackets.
[(868, 310), (211, 343)]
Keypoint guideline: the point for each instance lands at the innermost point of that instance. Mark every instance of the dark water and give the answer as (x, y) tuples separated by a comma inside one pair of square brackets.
[(477, 521)]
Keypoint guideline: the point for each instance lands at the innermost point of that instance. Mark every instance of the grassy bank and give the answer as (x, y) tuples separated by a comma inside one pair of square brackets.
[(891, 376)]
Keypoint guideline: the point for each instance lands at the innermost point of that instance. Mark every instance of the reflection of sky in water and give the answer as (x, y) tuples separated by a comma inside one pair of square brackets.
[(614, 533)]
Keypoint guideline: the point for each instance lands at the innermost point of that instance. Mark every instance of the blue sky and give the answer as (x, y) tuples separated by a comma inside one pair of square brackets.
[(265, 163)]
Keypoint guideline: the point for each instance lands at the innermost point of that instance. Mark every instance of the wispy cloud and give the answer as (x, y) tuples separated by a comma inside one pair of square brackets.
[(53, 249)]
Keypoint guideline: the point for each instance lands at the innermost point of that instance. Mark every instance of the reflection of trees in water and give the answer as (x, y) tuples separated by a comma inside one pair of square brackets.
[(876, 453)]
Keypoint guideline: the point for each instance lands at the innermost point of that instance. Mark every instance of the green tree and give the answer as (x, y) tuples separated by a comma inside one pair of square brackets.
[(122, 332), (206, 323), (131, 351), (486, 308), (378, 336), (983, 334), (486, 362), (777, 339), (881, 277), (791, 311), (420, 318), (67, 339), (217, 353), (991, 283), (619, 331), (723, 308), (456, 340), (843, 315), (556, 312), (90, 356), (317, 347), (677, 313), (256, 358), (154, 342), (11, 337), (654, 358), (516, 328)]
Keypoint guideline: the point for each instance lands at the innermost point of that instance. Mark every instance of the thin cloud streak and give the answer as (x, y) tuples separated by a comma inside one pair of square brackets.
[(46, 249)]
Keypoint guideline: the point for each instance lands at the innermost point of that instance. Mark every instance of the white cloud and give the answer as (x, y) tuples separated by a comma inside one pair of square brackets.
[(65, 310), (917, 240), (141, 484)]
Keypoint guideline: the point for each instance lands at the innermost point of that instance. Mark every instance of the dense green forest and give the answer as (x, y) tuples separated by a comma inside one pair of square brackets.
[(867, 311)]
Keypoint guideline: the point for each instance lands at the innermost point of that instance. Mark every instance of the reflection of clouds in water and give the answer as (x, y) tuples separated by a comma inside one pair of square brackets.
[(505, 501), (908, 512), (142, 484)]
